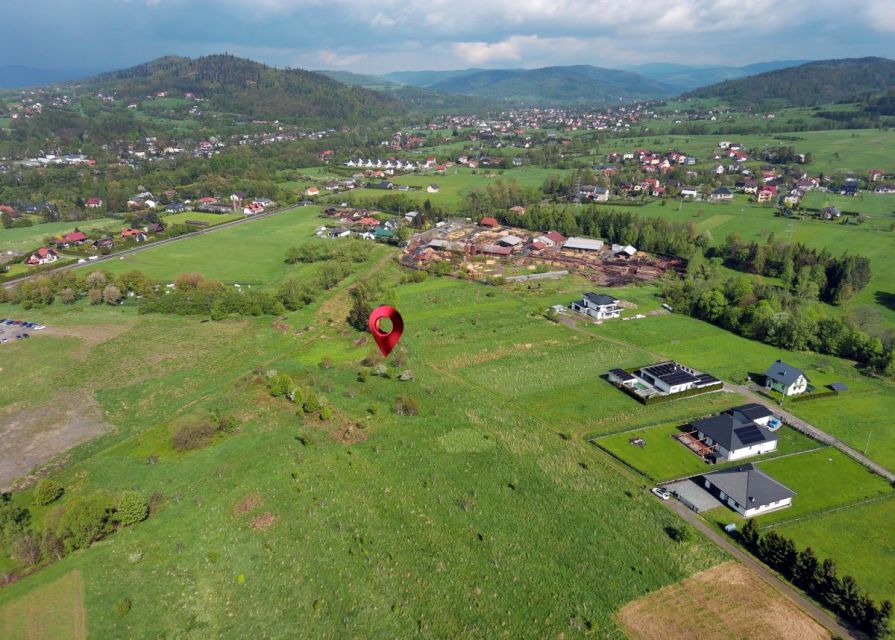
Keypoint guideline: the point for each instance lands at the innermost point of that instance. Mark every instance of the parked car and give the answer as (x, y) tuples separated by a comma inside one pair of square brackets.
[(661, 492)]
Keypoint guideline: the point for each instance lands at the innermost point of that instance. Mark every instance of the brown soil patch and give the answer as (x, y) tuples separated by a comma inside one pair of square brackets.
[(264, 521), (35, 435), (728, 601), (91, 335), (249, 503), (348, 434)]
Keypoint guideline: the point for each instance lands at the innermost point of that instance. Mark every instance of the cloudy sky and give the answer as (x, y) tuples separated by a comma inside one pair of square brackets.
[(388, 35)]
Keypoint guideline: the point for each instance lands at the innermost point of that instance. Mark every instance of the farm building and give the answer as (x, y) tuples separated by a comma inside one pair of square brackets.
[(786, 379), (597, 305), (583, 244), (733, 435), (747, 490)]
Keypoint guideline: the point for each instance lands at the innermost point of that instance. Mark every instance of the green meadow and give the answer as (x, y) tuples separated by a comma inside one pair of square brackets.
[(28, 238), (201, 216), (835, 151), (486, 514), (252, 253)]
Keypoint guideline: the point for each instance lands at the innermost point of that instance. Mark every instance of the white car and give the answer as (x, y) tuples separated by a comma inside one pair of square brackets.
[(661, 492), (93, 258)]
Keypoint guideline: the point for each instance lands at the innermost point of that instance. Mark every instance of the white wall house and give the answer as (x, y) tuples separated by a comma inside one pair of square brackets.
[(733, 435), (598, 305), (786, 379), (748, 491)]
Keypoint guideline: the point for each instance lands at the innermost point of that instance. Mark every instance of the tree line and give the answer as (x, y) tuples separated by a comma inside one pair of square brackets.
[(820, 580), (815, 274)]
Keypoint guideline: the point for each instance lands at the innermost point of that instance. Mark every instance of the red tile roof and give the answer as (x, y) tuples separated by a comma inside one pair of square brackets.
[(489, 222)]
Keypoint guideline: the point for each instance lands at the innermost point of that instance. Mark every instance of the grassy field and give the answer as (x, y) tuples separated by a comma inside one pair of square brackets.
[(486, 515), (855, 416), (823, 480), (395, 527), (874, 204), (200, 216), (251, 253), (867, 532), (454, 185), (29, 238), (834, 151), (54, 610), (663, 458)]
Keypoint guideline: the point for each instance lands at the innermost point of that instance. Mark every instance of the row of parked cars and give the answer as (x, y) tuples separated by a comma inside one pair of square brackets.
[(17, 329)]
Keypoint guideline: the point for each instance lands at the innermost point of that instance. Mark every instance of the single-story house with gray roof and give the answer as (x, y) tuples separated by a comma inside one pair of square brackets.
[(747, 490)]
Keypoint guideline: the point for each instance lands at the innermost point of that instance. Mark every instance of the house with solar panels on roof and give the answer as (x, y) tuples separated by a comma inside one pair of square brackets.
[(747, 490), (662, 381), (736, 434)]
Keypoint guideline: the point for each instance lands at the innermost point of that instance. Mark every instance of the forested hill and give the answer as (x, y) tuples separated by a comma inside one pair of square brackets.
[(581, 84), (808, 84), (252, 89)]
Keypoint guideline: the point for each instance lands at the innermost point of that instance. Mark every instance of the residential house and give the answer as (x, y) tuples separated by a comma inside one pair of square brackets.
[(885, 188), (44, 255), (175, 207), (338, 232), (312, 191), (734, 435), (689, 192), (433, 188), (720, 194), (672, 377), (747, 490), (94, 203), (598, 305), (137, 235), (765, 196), (73, 238), (829, 213), (488, 221), (786, 379), (103, 244)]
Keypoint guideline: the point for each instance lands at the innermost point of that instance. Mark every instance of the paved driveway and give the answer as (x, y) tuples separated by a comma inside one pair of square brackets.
[(693, 494)]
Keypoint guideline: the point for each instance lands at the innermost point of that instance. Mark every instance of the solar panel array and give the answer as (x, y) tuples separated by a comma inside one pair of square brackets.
[(749, 434)]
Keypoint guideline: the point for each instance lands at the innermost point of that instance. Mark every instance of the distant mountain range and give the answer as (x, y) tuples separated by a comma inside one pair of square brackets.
[(15, 76), (686, 77), (813, 83)]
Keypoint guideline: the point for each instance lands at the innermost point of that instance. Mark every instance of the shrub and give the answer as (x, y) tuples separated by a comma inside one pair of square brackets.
[(132, 508), (326, 413), (679, 534), (27, 549), (84, 521), (192, 434), (311, 403), (123, 606), (407, 406), (47, 490)]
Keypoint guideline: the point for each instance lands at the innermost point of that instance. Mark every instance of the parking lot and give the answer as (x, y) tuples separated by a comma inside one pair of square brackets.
[(12, 330)]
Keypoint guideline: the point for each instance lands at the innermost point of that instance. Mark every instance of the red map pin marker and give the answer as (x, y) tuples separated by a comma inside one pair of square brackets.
[(386, 341)]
